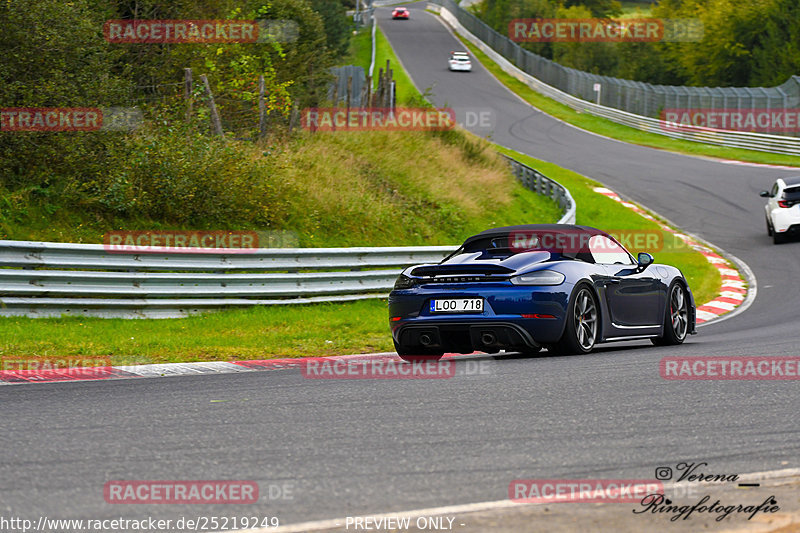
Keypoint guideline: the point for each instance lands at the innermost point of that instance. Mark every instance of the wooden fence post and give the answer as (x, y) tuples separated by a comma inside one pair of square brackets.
[(215, 120), (187, 92), (262, 108), (293, 119), (349, 92)]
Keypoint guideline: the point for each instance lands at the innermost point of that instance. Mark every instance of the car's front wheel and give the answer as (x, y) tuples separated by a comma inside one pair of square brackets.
[(676, 317), (580, 331)]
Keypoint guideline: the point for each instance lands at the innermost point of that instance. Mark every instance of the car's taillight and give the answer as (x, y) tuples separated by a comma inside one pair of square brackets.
[(404, 282), (783, 203)]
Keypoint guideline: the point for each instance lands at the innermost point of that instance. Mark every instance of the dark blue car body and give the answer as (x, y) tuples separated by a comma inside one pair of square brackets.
[(631, 299)]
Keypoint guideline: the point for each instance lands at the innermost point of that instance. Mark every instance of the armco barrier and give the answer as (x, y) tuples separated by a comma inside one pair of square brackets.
[(40, 279), (511, 58), (535, 181), (129, 285)]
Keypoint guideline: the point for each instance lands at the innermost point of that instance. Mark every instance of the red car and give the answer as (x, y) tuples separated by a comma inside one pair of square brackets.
[(400, 13)]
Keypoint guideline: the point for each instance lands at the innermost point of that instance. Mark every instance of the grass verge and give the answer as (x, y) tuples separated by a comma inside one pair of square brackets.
[(618, 131), (360, 51), (356, 327), (255, 333), (405, 91), (296, 331)]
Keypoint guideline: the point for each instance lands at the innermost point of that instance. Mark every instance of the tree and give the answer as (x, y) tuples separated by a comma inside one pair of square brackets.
[(54, 55), (598, 8), (337, 25), (732, 31), (597, 58), (778, 55)]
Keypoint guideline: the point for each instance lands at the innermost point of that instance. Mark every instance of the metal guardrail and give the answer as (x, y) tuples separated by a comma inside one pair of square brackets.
[(510, 56), (537, 182), (50, 279), (41, 279)]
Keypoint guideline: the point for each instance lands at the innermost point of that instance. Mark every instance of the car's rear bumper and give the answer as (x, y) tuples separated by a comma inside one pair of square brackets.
[(464, 336), (793, 229), (517, 316), (786, 220)]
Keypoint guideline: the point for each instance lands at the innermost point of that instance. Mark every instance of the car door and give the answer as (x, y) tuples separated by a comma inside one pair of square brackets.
[(634, 297), (772, 201)]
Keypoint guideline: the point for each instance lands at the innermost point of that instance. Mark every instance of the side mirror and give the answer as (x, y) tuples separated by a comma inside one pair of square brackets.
[(645, 260), (764, 194)]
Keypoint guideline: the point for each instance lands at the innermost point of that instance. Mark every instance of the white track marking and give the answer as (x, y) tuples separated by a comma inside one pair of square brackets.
[(322, 525)]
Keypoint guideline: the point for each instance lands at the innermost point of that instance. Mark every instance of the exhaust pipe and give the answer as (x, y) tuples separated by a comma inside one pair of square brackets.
[(488, 338), (425, 339)]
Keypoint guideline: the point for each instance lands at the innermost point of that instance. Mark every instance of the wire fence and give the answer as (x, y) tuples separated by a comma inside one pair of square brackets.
[(635, 97), (188, 101)]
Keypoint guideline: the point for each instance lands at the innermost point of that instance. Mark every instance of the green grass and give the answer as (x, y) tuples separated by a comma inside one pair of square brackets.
[(360, 54), (405, 91), (636, 9), (333, 189), (307, 330), (357, 185), (255, 333), (304, 330), (360, 51), (617, 131), (604, 213)]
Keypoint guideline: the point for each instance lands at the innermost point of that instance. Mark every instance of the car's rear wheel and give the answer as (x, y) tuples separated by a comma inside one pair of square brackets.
[(769, 228), (411, 355), (580, 331), (676, 317)]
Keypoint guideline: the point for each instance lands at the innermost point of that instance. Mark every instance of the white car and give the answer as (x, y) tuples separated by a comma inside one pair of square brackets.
[(783, 208), (460, 61)]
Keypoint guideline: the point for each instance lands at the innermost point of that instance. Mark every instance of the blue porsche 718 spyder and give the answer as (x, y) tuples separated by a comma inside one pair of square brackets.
[(519, 288)]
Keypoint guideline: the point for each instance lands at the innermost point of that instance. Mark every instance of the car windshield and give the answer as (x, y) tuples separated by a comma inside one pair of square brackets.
[(571, 244)]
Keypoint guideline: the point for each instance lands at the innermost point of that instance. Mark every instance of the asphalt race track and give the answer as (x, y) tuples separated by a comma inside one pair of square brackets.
[(348, 447), (717, 201)]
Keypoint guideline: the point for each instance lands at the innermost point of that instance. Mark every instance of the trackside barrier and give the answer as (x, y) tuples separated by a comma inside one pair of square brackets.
[(535, 181), (41, 279), (521, 64)]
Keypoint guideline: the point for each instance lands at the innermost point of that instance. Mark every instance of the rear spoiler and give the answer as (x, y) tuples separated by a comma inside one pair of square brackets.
[(447, 270)]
